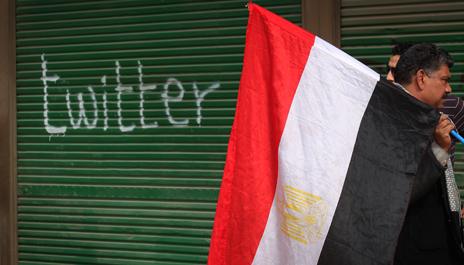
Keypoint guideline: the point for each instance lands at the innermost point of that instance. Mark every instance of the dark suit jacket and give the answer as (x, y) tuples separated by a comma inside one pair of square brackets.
[(429, 234)]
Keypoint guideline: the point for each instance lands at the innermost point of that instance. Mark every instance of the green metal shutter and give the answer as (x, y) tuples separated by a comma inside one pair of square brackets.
[(139, 184), (368, 29)]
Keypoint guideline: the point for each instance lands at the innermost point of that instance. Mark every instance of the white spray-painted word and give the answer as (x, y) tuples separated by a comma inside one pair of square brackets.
[(45, 79), (120, 89)]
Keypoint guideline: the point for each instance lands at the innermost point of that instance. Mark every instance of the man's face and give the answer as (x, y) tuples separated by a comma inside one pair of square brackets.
[(392, 65), (435, 86)]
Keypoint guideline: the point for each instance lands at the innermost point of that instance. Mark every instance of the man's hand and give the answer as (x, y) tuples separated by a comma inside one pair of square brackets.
[(442, 132)]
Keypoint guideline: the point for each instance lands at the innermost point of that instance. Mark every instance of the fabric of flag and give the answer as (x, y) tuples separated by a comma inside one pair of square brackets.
[(321, 157)]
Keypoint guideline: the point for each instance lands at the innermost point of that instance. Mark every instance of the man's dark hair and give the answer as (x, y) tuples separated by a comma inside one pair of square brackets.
[(400, 48), (425, 56)]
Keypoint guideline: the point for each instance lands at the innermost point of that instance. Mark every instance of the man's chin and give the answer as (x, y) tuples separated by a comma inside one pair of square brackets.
[(439, 105)]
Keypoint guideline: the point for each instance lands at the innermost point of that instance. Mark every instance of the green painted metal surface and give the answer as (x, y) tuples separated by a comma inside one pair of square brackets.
[(369, 28), (124, 111)]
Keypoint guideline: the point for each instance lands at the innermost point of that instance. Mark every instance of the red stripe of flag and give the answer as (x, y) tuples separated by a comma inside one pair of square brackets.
[(275, 57)]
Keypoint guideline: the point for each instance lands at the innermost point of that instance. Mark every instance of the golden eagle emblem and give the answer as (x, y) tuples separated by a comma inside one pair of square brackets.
[(302, 214)]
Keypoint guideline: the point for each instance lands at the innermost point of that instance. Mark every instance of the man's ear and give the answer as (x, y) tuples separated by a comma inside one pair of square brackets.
[(420, 79)]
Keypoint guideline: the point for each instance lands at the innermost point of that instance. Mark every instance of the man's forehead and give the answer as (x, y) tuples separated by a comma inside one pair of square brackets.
[(443, 70)]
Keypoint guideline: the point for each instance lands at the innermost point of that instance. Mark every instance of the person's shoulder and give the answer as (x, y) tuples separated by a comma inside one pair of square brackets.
[(454, 107), (452, 102)]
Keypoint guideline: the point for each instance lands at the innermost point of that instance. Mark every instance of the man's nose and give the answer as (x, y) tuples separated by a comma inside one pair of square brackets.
[(390, 76), (448, 89)]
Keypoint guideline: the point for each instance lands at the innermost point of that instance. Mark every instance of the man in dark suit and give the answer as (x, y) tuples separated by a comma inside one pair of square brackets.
[(431, 233), (453, 106)]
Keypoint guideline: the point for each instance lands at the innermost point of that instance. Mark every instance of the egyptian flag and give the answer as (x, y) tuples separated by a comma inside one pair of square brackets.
[(321, 158)]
